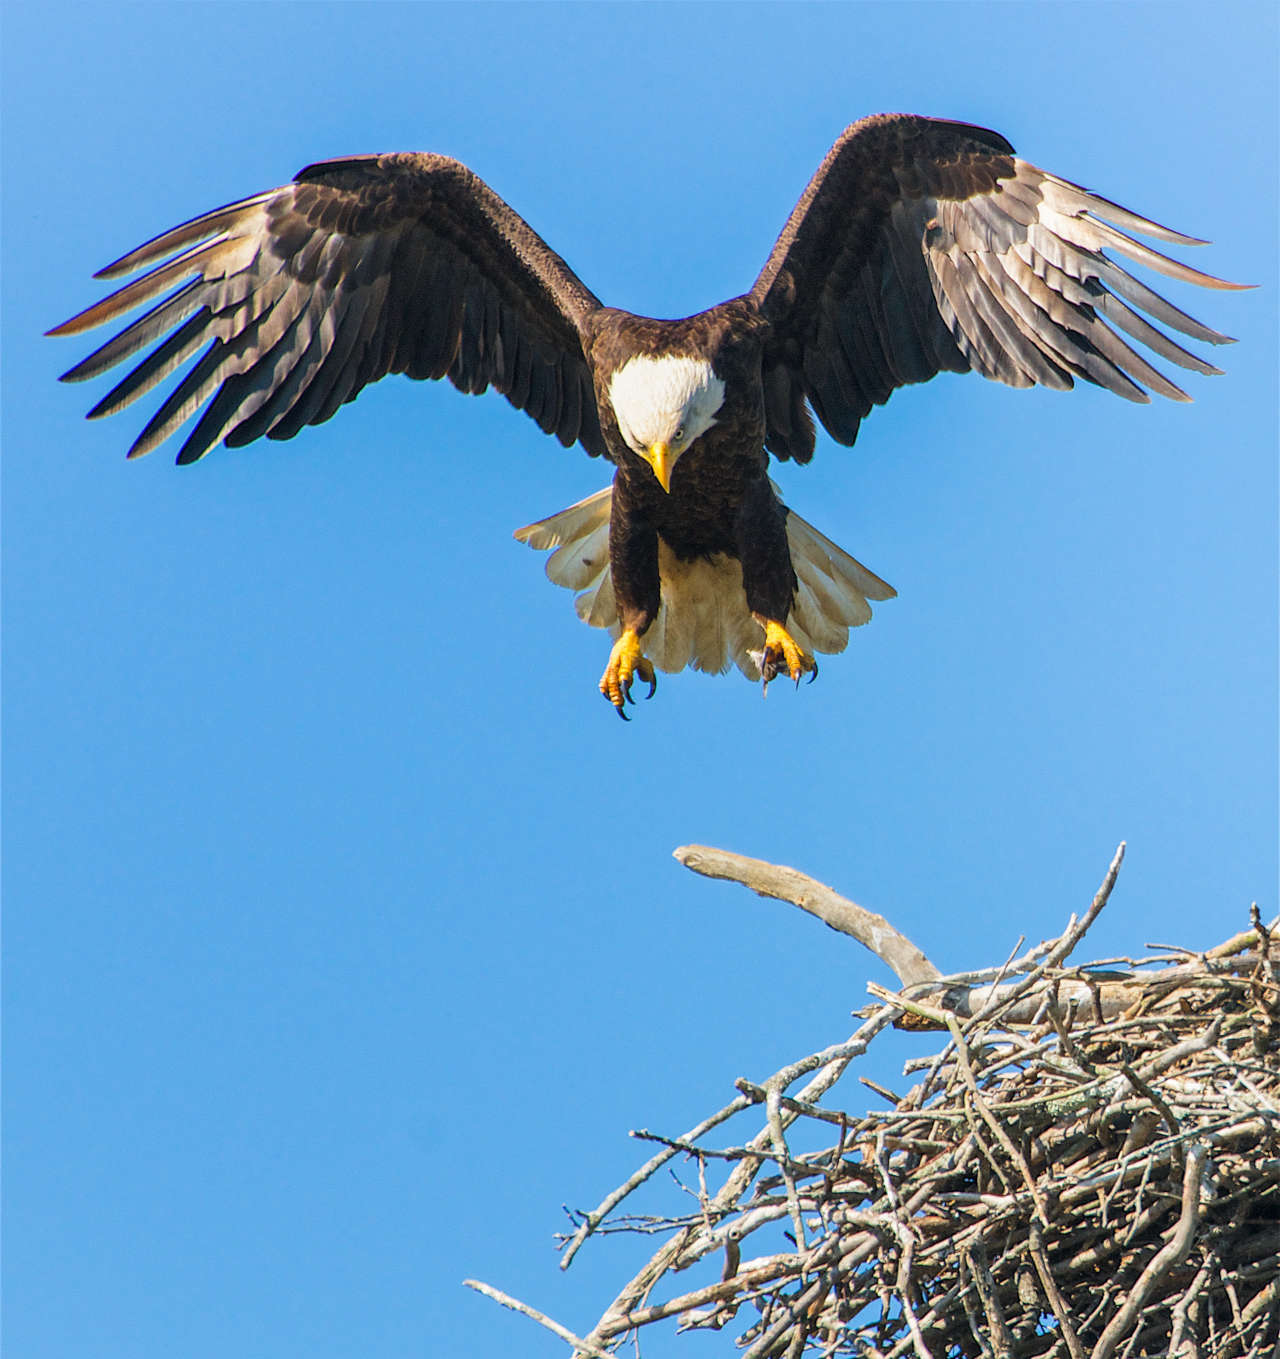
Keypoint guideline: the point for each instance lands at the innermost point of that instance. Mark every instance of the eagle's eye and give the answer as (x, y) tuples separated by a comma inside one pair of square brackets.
[(678, 436)]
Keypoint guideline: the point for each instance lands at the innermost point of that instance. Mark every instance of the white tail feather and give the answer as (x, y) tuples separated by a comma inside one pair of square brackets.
[(569, 525), (580, 561), (704, 621)]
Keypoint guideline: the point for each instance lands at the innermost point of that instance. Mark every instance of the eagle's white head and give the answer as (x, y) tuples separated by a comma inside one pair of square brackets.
[(662, 405)]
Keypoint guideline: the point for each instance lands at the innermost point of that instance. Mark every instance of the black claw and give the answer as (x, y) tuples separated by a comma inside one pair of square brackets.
[(814, 675), (619, 710), (653, 688)]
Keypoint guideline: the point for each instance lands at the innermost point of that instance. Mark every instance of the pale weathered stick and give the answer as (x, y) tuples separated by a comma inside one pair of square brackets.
[(583, 1346), (872, 931)]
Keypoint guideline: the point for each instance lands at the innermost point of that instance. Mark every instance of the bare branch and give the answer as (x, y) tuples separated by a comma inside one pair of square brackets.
[(872, 931), (582, 1346), (593, 1219)]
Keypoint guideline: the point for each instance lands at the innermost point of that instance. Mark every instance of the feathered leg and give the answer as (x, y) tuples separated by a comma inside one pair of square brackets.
[(769, 581), (637, 586)]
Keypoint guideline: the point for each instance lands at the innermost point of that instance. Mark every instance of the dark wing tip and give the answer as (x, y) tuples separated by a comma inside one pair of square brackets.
[(79, 372)]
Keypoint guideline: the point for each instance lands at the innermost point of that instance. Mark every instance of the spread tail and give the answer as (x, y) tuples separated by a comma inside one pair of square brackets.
[(704, 621)]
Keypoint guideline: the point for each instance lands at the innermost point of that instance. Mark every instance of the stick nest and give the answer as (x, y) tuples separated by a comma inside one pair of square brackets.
[(1090, 1166)]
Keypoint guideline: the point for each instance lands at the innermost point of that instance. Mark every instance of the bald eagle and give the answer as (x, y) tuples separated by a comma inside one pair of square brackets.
[(919, 246)]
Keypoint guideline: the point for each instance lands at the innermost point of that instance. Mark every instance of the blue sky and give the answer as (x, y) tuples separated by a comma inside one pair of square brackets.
[(343, 941)]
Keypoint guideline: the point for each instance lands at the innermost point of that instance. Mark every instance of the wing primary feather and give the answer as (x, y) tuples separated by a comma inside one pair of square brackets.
[(178, 406), (1070, 297), (1083, 264), (268, 381), (242, 391), (1043, 325), (1064, 297), (1000, 229), (1113, 237), (1086, 341), (375, 276), (1023, 363), (175, 351), (337, 379), (271, 415), (304, 353), (161, 318), (178, 238), (343, 311), (210, 255), (250, 373), (1136, 325), (970, 328), (1071, 198), (335, 332)]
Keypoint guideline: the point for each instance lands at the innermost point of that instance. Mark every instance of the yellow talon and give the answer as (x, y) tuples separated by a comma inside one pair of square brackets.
[(626, 661), (781, 653)]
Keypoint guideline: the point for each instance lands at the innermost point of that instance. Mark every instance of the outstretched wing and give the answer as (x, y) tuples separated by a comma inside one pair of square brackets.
[(923, 245), (300, 296)]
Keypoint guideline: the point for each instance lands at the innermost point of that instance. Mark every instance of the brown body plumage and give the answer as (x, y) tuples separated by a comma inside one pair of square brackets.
[(721, 501), (919, 246)]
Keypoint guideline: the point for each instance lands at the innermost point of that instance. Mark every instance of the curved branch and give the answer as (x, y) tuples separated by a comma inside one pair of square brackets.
[(872, 931)]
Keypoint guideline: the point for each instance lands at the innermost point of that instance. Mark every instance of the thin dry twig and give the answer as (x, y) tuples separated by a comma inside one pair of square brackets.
[(580, 1345)]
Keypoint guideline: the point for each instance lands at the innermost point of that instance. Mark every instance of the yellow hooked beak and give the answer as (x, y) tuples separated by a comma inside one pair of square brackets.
[(660, 459)]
